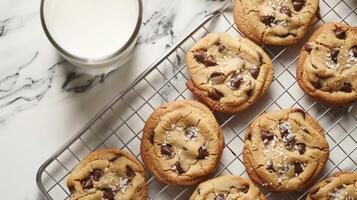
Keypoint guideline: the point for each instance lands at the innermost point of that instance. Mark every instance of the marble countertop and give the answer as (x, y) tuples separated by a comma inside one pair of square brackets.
[(44, 100)]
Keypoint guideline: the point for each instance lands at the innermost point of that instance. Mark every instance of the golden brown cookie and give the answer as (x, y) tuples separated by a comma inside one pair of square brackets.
[(226, 188), (341, 186), (228, 74), (327, 68), (182, 143), (274, 22), (108, 174), (284, 150)]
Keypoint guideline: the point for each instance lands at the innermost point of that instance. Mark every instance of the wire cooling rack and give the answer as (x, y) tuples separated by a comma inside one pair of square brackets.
[(120, 123)]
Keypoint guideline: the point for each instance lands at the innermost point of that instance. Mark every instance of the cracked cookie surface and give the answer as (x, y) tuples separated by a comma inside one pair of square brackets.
[(327, 68), (341, 186), (108, 174), (284, 150), (227, 188), (182, 143), (274, 22), (228, 74)]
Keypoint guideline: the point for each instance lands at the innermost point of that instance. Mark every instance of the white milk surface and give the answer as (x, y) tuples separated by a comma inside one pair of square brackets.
[(91, 29)]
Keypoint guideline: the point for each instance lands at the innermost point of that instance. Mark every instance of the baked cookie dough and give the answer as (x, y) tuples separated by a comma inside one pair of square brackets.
[(228, 74), (182, 143), (341, 186), (284, 150), (227, 188), (108, 174), (274, 22), (327, 68)]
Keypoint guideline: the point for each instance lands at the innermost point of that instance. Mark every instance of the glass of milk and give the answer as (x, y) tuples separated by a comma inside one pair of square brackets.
[(92, 34)]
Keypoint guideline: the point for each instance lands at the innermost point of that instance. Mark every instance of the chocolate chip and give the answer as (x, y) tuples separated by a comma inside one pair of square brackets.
[(87, 183), (254, 72), (249, 136), (314, 190), (151, 138), (270, 167), (354, 51), (96, 174), (166, 149), (244, 189), (113, 159), (334, 54), (298, 168), (347, 87), (308, 47), (298, 4), (340, 33), (215, 95), (267, 136), (129, 171), (200, 55), (221, 48), (217, 77), (108, 194), (249, 93), (298, 110), (179, 168), (301, 148), (71, 189), (316, 84), (202, 153), (268, 20), (210, 61), (285, 10)]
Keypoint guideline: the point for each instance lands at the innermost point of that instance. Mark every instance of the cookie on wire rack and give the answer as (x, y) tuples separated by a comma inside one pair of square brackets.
[(342, 185), (227, 187), (275, 22), (108, 174), (284, 150), (182, 143), (227, 74), (327, 68)]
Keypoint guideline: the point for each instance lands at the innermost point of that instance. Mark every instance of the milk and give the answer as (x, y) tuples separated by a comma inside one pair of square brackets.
[(91, 29)]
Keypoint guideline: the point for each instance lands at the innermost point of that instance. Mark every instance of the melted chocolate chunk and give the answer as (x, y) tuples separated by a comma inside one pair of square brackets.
[(301, 148), (108, 194), (166, 149), (217, 77), (235, 81), (334, 54), (298, 4), (290, 142), (268, 20), (151, 138), (96, 174), (221, 48), (285, 10), (354, 51), (284, 134), (267, 136), (260, 57), (220, 197), (201, 57), (347, 87), (179, 168), (202, 153), (254, 72), (308, 47), (129, 171), (340, 33), (249, 93), (71, 189), (249, 136), (113, 159), (270, 167), (244, 189), (87, 183), (298, 168), (215, 95), (298, 110), (317, 84)]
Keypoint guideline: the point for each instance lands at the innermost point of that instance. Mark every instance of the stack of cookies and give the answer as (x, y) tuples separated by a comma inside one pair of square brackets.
[(284, 150)]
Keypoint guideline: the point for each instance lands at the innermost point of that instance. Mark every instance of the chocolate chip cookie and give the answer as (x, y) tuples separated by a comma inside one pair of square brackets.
[(182, 143), (327, 68), (341, 186), (284, 150), (228, 74), (227, 187), (274, 22), (108, 174)]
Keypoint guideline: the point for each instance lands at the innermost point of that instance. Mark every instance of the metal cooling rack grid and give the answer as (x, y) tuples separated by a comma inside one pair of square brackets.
[(120, 123)]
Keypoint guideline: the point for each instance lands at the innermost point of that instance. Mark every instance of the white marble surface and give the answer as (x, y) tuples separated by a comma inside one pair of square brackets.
[(44, 101)]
